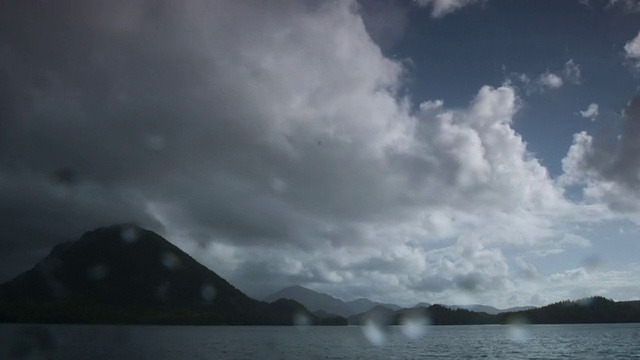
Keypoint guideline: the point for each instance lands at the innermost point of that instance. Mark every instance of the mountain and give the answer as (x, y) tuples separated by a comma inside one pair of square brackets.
[(476, 308), (312, 300), (422, 304), (589, 310), (517, 308), (488, 309), (434, 315), (317, 301), (126, 274), (361, 305), (379, 315)]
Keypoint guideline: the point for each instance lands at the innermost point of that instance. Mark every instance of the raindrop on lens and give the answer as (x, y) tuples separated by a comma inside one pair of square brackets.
[(154, 142), (129, 234), (375, 333), (300, 319), (65, 177), (97, 272), (169, 260), (414, 326), (208, 293), (518, 330), (33, 343)]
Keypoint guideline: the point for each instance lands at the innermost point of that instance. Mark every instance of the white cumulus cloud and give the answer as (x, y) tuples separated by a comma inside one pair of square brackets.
[(550, 80), (632, 51), (591, 112), (443, 7)]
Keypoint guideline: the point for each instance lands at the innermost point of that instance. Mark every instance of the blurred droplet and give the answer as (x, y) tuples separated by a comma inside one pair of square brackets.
[(64, 176), (97, 272), (375, 333), (470, 282), (154, 142), (64, 180), (414, 325), (129, 234), (33, 343), (208, 293), (586, 302), (162, 291), (202, 243), (169, 260), (300, 319), (518, 330), (593, 262), (277, 185)]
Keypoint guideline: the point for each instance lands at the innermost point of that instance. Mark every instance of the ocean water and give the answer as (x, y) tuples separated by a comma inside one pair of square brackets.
[(591, 341)]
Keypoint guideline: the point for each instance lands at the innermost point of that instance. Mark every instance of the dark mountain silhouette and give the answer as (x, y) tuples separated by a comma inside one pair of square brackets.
[(488, 309), (125, 274), (434, 315), (515, 309), (590, 310), (317, 301), (312, 300), (379, 315), (361, 305)]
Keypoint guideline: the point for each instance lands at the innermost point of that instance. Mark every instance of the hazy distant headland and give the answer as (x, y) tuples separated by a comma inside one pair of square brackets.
[(128, 275)]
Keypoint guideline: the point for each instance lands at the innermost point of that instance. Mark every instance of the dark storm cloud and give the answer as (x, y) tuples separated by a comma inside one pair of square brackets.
[(121, 111), (609, 161)]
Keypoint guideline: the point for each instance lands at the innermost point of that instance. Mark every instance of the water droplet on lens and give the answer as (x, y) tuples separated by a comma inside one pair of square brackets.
[(518, 330), (64, 179), (169, 260), (375, 333), (97, 272), (300, 319), (586, 302), (33, 343), (593, 262), (154, 142), (129, 234), (414, 326), (208, 293), (64, 176), (162, 291)]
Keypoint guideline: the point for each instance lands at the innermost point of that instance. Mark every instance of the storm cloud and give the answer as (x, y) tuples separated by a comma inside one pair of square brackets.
[(608, 163), (272, 140)]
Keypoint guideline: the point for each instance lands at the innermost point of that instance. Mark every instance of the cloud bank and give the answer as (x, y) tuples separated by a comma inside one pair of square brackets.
[(272, 142)]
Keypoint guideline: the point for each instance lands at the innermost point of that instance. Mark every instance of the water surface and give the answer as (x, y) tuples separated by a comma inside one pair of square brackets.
[(591, 341)]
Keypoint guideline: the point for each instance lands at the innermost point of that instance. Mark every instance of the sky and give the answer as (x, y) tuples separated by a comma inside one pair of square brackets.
[(445, 151)]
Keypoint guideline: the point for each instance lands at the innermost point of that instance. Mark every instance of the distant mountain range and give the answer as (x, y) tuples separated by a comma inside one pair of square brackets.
[(326, 304), (126, 274), (488, 309), (590, 310)]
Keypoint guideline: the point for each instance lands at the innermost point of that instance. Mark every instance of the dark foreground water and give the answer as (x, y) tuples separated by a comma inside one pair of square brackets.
[(608, 341)]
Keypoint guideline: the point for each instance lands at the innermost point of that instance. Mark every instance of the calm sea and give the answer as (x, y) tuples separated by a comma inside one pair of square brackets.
[(608, 341)]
